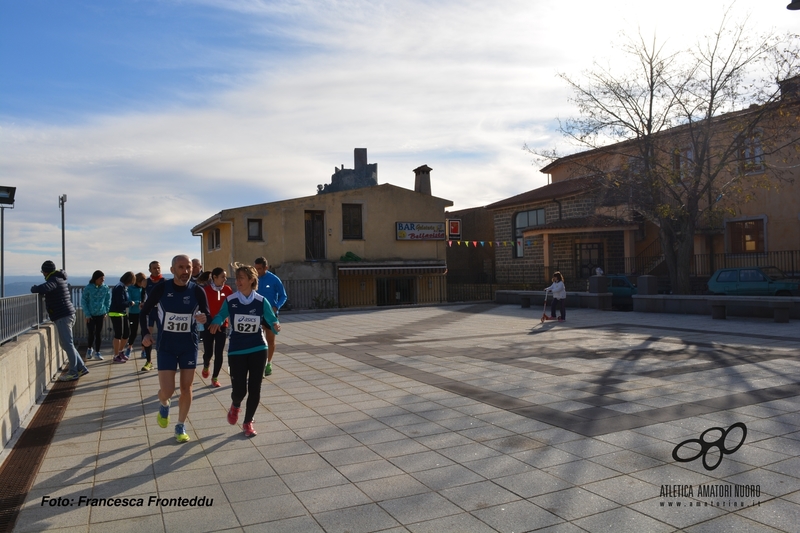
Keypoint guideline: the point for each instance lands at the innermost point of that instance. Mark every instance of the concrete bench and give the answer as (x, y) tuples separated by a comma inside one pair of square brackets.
[(781, 307), (525, 301)]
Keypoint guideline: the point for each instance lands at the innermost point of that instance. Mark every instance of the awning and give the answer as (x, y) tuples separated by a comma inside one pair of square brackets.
[(392, 270)]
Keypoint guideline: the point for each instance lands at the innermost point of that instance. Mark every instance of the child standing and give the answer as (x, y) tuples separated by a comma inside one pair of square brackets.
[(559, 297)]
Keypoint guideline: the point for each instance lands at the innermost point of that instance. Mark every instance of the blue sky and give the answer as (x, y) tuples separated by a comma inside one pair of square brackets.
[(153, 115)]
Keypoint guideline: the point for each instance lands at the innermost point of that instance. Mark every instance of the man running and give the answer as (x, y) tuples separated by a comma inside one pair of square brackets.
[(155, 279), (271, 288), (197, 269), (181, 305)]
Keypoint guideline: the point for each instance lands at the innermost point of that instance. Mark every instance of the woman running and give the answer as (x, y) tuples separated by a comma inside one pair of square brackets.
[(118, 313), (247, 351), (214, 343), (136, 295)]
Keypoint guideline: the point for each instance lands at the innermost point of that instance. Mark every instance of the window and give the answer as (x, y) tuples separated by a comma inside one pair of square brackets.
[(254, 230), (682, 161), (589, 256), (523, 221), (727, 276), (213, 239), (351, 221), (315, 235), (746, 236), (751, 154)]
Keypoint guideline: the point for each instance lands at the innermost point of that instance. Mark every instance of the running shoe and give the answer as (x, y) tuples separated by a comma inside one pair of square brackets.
[(163, 415), (215, 383), (128, 352), (89, 353), (144, 354), (562, 319), (73, 376), (233, 415), (180, 433), (147, 367), (268, 369), (119, 358), (98, 356), (205, 373), (249, 430), (82, 372)]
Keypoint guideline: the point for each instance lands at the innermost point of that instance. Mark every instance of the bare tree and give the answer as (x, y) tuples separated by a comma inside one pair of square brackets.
[(679, 132)]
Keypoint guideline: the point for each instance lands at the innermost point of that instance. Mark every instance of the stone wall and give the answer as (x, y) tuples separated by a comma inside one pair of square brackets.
[(27, 367)]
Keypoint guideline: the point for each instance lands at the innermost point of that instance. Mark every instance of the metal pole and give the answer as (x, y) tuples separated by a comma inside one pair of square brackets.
[(2, 258), (61, 201)]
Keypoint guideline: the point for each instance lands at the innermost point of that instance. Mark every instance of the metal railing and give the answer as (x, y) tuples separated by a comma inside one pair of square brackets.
[(18, 314), (311, 293)]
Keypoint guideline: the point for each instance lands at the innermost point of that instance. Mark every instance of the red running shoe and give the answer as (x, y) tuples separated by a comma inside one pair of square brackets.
[(215, 383), (249, 430), (233, 415), (205, 372)]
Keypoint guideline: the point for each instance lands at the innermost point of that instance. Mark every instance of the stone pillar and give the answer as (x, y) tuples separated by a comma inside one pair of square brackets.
[(647, 285), (598, 284)]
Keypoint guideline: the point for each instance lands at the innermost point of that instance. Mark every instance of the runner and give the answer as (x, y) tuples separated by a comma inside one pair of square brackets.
[(247, 351), (181, 305), (153, 281), (214, 343), (118, 313), (136, 294), (197, 269), (95, 301), (271, 288)]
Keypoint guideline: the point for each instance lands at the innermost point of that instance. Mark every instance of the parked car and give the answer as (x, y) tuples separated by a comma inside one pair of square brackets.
[(622, 289), (752, 281)]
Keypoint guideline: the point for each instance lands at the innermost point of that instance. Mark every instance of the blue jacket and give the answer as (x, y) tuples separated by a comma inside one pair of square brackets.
[(56, 295), (135, 294), (96, 300), (120, 302), (271, 288)]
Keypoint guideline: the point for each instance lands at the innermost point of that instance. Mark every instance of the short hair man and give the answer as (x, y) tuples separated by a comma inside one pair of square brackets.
[(197, 269), (271, 288), (59, 306), (181, 306)]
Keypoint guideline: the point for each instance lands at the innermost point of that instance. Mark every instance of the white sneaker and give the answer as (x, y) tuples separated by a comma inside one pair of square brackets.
[(98, 356), (89, 353)]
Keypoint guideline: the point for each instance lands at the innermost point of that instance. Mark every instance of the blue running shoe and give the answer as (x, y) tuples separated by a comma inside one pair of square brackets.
[(180, 433), (163, 415)]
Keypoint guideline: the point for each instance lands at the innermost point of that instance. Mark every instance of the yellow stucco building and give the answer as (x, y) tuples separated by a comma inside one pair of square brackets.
[(366, 246)]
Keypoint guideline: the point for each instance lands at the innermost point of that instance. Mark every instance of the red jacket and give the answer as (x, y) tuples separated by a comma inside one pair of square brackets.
[(215, 299)]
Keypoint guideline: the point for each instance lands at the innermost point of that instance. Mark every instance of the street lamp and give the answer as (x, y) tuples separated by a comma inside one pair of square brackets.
[(6, 201), (61, 201), (794, 6)]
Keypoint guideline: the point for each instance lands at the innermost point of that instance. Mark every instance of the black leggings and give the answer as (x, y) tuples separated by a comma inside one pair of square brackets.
[(560, 305), (214, 345), (241, 383), (121, 328), (133, 324), (94, 330)]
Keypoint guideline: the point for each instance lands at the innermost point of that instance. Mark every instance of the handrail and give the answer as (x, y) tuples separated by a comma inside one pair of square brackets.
[(18, 314)]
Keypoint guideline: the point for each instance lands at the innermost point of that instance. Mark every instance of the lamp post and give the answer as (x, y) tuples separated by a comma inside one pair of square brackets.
[(61, 201), (6, 201), (794, 6)]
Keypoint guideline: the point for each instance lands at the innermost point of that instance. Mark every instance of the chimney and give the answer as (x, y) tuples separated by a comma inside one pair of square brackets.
[(422, 179), (359, 158)]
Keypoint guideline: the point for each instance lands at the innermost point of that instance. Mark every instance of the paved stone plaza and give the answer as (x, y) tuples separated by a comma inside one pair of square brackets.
[(470, 418)]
